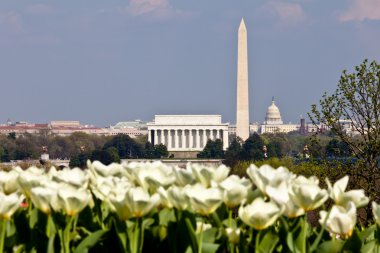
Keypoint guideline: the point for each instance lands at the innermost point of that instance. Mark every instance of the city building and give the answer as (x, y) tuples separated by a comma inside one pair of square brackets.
[(186, 135), (131, 128)]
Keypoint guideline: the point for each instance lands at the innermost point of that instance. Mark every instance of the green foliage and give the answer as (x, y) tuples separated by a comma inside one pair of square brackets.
[(126, 147), (233, 153), (213, 149), (252, 149)]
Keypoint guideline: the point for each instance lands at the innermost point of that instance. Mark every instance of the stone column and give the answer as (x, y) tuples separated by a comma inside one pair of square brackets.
[(155, 134), (218, 134), (191, 138), (225, 139), (169, 139), (176, 139), (197, 139), (183, 136), (150, 136), (204, 138)]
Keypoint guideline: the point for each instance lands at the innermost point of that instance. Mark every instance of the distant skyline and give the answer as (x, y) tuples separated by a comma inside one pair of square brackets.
[(101, 62)]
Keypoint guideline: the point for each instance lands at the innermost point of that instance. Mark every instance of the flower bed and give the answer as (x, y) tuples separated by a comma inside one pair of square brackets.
[(146, 207)]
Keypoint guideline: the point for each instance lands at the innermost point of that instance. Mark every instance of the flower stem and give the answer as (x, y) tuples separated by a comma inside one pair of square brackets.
[(3, 224), (257, 241), (200, 239)]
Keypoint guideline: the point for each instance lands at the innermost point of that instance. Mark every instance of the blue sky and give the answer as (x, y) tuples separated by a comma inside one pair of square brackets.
[(101, 62)]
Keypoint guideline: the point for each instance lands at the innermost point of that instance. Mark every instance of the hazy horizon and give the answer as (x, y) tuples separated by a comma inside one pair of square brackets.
[(105, 62)]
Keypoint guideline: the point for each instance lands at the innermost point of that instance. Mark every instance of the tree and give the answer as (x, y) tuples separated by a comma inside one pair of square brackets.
[(252, 148), (213, 149), (126, 146), (233, 151), (104, 156), (160, 151), (357, 102)]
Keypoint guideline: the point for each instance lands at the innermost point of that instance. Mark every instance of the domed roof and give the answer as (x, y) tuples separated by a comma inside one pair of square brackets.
[(273, 115)]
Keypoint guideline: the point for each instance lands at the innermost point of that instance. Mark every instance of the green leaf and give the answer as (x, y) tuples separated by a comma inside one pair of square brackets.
[(363, 235), (50, 248), (353, 244), (330, 247), (193, 237), (90, 241), (268, 242), (209, 247)]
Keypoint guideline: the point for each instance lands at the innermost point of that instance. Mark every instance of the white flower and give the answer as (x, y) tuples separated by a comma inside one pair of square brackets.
[(43, 198), (267, 176), (235, 190), (133, 202), (8, 181), (260, 214), (201, 227), (233, 235), (151, 176), (174, 196), (104, 186), (340, 197), (306, 193), (73, 200), (376, 212), (341, 221), (280, 195), (76, 177), (204, 200), (32, 177), (9, 204), (114, 169), (206, 175), (183, 177)]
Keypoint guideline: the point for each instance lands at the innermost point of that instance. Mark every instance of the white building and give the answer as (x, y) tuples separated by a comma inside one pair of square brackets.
[(273, 122), (131, 128), (184, 133)]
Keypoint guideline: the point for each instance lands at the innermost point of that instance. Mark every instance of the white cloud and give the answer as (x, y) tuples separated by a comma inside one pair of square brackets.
[(11, 22), (361, 10), (155, 8), (288, 13)]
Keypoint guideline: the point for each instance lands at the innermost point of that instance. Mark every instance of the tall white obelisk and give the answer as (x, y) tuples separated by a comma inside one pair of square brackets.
[(242, 109)]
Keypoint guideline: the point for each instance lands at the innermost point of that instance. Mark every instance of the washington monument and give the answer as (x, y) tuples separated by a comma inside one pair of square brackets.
[(242, 108)]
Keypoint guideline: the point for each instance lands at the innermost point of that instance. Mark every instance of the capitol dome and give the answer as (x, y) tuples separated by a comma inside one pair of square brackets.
[(273, 116)]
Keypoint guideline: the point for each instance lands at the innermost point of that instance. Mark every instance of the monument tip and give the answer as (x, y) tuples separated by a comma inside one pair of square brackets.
[(242, 24)]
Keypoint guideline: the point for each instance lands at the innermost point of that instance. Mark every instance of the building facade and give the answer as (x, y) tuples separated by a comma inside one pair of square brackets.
[(185, 133)]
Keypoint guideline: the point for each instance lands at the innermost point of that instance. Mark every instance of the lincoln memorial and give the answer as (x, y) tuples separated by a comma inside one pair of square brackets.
[(186, 133)]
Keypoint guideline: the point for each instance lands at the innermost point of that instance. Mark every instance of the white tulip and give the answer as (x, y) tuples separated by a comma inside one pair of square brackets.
[(43, 198), (76, 177), (183, 177), (340, 197), (73, 200), (280, 195), (233, 235), (201, 227), (260, 214), (133, 202), (204, 200), (267, 176), (104, 186), (8, 181), (32, 177), (235, 190), (341, 220), (206, 175), (376, 212), (175, 197), (306, 193), (151, 176), (9, 204), (113, 169)]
